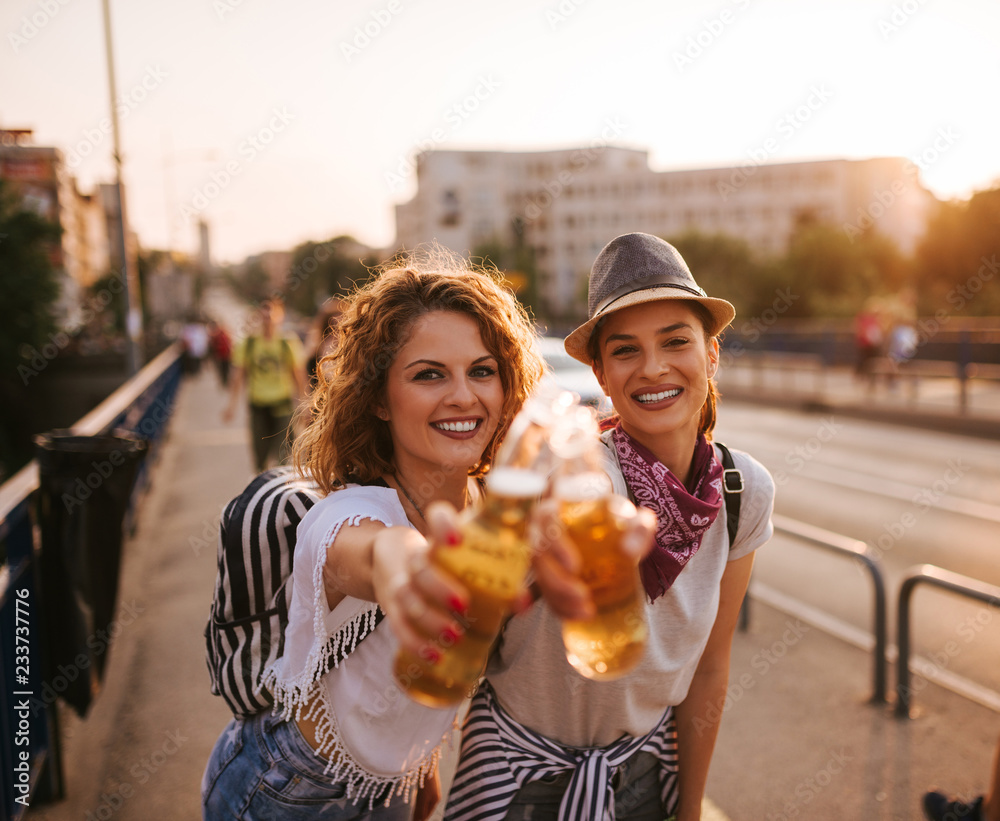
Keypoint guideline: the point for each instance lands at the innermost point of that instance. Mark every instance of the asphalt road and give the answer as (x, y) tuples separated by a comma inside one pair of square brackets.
[(913, 496)]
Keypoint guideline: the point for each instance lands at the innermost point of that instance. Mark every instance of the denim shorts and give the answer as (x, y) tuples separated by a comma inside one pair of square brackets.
[(637, 793), (261, 768)]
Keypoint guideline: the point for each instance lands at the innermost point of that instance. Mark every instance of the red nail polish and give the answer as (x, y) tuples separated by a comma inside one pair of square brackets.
[(453, 539), (434, 656), (456, 604), (449, 636)]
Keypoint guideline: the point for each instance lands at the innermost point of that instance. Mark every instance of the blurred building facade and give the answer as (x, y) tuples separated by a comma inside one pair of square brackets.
[(567, 204), (88, 246)]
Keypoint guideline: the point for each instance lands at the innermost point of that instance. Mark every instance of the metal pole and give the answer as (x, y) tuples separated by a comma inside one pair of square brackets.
[(859, 551), (133, 303)]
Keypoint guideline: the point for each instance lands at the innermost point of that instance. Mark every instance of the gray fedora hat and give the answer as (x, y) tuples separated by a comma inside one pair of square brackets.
[(637, 268)]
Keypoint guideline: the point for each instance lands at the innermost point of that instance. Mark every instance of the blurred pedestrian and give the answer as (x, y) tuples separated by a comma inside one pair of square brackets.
[(194, 336), (940, 807), (221, 346), (903, 339), (869, 338), (324, 335), (269, 365)]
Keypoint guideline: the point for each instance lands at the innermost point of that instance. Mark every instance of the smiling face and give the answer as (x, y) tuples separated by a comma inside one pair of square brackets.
[(655, 363), (443, 398)]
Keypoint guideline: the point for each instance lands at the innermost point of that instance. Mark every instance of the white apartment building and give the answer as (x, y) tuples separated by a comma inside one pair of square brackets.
[(567, 204)]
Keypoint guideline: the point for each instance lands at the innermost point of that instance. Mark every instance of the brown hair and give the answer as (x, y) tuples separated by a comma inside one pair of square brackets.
[(345, 441), (708, 410)]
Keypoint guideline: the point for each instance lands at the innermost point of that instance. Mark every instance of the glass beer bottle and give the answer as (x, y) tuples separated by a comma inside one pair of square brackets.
[(613, 641), (492, 561)]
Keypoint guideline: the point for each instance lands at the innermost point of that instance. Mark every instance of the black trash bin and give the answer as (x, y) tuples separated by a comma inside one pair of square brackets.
[(84, 487)]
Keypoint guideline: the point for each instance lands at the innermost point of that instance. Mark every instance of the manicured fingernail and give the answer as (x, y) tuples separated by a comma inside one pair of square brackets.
[(456, 604), (434, 656), (449, 636), (453, 539)]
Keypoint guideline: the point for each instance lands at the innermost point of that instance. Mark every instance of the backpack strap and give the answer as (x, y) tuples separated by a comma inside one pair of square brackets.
[(732, 487), (248, 360)]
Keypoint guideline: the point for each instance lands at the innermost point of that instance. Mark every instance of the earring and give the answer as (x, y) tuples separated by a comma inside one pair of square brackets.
[(382, 414)]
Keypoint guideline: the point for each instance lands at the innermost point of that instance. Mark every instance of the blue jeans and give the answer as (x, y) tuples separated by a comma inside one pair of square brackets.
[(261, 768)]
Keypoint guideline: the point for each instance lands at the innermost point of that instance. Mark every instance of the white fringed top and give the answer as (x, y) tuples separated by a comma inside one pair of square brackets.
[(372, 734)]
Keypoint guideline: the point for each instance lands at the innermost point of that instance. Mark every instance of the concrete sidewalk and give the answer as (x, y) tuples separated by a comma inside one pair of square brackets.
[(140, 751), (797, 740)]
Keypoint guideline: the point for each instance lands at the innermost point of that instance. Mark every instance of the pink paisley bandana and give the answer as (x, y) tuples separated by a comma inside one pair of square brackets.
[(681, 517)]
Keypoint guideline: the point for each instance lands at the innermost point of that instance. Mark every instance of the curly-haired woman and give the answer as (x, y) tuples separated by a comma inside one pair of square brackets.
[(435, 358)]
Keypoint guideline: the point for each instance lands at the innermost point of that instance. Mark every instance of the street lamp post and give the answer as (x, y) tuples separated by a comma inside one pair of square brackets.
[(133, 302)]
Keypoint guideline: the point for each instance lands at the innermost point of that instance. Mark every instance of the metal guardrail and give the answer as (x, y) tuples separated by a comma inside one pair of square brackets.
[(858, 551), (936, 577), (31, 734), (761, 364)]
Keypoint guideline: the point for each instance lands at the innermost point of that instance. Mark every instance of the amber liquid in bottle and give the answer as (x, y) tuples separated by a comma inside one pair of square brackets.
[(613, 641), (492, 562)]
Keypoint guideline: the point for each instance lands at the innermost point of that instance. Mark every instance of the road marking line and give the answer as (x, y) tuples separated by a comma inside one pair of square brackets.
[(893, 489), (865, 641)]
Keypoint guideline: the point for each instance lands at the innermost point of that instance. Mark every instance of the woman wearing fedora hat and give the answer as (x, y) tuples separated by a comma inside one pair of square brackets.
[(541, 741)]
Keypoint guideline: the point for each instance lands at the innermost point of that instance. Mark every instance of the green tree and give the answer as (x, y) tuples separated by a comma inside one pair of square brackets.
[(517, 263), (254, 285), (726, 266), (322, 269), (28, 289), (958, 261), (832, 275)]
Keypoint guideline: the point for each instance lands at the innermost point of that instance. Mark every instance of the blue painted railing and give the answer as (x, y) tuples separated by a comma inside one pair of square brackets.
[(30, 765)]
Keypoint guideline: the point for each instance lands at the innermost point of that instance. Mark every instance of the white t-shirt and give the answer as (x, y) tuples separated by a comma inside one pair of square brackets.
[(374, 733), (537, 686)]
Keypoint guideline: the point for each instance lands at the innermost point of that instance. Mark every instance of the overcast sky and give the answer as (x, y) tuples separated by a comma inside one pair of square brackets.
[(281, 122)]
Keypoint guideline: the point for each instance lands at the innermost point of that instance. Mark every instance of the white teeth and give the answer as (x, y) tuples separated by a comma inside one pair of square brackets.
[(456, 427), (656, 397)]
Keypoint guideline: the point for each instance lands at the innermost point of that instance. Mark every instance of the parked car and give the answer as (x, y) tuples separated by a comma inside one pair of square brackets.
[(571, 375)]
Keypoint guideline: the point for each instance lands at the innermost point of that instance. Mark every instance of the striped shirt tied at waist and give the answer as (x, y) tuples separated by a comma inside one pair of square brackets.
[(499, 756)]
